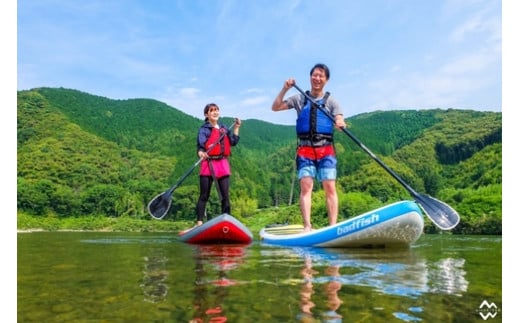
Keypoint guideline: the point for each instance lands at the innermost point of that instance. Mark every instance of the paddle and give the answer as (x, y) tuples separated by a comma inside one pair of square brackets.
[(441, 214), (158, 207)]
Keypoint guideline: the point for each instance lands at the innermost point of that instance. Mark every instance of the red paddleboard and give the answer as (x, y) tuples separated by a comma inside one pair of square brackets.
[(221, 229)]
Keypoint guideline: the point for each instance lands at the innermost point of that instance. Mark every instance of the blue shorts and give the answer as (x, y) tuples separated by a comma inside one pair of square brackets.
[(322, 169)]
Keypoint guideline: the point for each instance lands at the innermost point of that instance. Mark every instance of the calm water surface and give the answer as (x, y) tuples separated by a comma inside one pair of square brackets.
[(151, 277)]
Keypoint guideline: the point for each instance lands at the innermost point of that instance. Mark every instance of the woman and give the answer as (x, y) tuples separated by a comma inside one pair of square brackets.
[(214, 147)]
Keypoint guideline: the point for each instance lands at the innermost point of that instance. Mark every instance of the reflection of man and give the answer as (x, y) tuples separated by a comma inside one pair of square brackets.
[(306, 291), (331, 289)]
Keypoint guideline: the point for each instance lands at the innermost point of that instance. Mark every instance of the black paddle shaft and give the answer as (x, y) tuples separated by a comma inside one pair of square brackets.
[(440, 213)]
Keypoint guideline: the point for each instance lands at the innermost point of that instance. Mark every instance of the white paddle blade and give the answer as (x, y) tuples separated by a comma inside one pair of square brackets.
[(441, 214)]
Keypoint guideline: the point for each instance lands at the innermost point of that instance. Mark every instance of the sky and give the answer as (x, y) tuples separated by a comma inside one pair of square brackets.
[(382, 54)]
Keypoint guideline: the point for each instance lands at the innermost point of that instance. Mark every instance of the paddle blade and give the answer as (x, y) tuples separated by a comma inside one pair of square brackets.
[(441, 214), (159, 205)]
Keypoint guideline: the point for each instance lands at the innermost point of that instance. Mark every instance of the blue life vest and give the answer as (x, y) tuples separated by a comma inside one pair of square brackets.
[(312, 123)]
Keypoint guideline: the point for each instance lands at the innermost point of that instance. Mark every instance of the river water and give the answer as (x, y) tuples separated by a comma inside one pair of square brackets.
[(152, 277)]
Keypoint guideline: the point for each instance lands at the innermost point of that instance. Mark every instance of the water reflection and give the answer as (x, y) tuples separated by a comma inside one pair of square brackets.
[(449, 276), (106, 277), (331, 287), (399, 272), (212, 265), (155, 273)]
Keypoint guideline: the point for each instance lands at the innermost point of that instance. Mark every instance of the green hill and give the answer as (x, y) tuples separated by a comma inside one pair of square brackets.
[(81, 154)]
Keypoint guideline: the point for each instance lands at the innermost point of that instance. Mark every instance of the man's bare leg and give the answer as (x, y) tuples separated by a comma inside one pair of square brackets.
[(306, 184), (331, 197)]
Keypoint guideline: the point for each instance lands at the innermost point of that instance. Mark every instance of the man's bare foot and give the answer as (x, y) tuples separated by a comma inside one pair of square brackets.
[(307, 229)]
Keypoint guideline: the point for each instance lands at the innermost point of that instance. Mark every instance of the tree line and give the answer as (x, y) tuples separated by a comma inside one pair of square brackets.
[(81, 154)]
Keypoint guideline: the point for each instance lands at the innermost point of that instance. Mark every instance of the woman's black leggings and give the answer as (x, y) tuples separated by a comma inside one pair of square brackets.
[(205, 190)]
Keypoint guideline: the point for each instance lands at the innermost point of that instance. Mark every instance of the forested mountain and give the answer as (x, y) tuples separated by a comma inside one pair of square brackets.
[(81, 154)]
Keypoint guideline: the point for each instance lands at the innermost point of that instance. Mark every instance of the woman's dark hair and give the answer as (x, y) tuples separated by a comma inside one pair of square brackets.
[(323, 67)]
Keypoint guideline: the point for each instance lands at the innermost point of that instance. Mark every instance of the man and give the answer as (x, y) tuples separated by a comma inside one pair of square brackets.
[(316, 157)]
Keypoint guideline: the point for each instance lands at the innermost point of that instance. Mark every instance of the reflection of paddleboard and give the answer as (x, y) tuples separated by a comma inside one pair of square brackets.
[(221, 229), (393, 271), (222, 257), (396, 225), (396, 271)]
